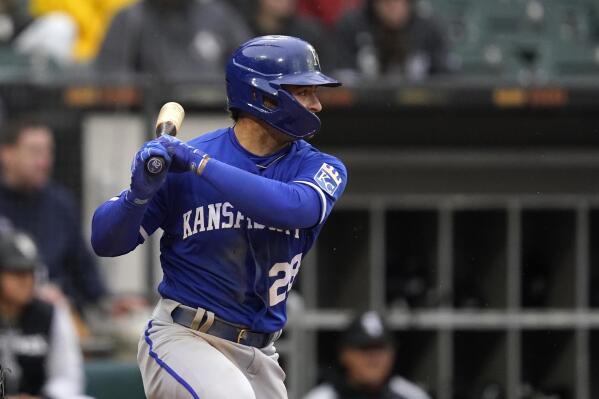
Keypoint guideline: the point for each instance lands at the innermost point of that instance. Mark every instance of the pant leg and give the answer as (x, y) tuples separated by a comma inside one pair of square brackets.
[(260, 366), (175, 362), (269, 381)]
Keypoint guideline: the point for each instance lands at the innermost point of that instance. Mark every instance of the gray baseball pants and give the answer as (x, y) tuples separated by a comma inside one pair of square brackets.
[(177, 362)]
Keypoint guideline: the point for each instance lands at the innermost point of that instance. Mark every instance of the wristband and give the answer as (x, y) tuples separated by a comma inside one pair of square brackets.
[(132, 198), (202, 165)]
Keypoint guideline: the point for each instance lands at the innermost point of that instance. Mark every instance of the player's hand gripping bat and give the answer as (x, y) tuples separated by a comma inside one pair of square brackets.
[(169, 122)]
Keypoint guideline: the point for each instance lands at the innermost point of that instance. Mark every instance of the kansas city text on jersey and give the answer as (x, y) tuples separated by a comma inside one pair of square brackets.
[(222, 215)]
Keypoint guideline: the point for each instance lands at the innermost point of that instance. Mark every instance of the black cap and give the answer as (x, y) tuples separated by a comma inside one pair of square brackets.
[(367, 331), (18, 252)]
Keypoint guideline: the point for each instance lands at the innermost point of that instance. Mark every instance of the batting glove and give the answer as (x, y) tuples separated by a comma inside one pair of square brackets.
[(143, 184), (184, 157)]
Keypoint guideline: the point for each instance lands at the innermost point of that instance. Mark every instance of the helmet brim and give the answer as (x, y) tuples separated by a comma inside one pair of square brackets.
[(19, 266), (312, 78)]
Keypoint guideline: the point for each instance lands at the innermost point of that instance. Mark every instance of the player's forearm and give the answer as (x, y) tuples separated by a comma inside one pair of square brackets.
[(115, 227), (277, 204)]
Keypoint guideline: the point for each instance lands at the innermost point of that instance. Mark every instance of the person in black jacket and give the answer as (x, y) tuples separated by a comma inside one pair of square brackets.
[(39, 350), (390, 38), (366, 360)]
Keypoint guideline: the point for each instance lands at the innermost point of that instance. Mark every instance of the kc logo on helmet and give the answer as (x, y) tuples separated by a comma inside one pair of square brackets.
[(315, 57), (328, 178)]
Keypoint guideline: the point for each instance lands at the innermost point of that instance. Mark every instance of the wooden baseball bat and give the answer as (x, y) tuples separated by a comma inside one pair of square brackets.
[(168, 122)]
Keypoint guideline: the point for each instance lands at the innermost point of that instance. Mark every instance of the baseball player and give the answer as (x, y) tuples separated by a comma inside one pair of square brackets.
[(240, 207)]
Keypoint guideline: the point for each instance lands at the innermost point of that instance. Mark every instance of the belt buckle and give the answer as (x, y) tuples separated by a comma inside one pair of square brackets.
[(241, 335)]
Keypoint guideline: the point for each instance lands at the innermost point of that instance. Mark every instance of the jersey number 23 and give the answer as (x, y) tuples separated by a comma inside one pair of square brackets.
[(279, 289)]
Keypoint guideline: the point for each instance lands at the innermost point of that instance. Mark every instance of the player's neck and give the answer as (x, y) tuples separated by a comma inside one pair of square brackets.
[(259, 138)]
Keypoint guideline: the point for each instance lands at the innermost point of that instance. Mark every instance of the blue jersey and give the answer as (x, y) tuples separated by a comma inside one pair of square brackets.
[(216, 257)]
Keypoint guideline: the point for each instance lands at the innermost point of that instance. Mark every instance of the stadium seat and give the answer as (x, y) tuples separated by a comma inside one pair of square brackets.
[(11, 61), (569, 22), (572, 36), (455, 16), (109, 379), (576, 59), (503, 18)]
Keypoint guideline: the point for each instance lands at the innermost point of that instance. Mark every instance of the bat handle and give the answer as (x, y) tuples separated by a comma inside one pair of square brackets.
[(169, 120), (155, 165)]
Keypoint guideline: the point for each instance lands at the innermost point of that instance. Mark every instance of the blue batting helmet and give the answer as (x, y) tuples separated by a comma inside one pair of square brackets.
[(257, 71)]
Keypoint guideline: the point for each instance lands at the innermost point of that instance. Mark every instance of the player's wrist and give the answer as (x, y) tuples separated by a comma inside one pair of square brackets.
[(199, 164), (136, 199)]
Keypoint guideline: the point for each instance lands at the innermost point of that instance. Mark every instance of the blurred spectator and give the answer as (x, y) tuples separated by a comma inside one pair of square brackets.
[(279, 17), (390, 38), (49, 38), (366, 359), (46, 211), (14, 17), (243, 7), (328, 11), (39, 350), (89, 19), (172, 39)]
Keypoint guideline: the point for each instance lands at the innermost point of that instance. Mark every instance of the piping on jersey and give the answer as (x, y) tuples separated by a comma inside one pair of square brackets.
[(165, 366)]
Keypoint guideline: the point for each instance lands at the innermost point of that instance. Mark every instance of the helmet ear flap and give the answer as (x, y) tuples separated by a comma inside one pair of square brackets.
[(270, 103), (294, 119), (263, 94)]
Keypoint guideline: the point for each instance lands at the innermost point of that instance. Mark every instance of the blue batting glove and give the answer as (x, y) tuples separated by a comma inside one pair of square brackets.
[(143, 184), (184, 157)]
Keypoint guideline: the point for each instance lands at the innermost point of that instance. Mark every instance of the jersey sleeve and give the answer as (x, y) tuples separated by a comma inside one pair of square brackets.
[(327, 176), (155, 213)]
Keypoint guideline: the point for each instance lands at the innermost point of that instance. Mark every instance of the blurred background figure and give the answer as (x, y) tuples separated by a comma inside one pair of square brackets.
[(172, 39), (390, 38), (327, 11), (89, 18), (48, 39), (280, 17), (48, 212), (39, 350), (14, 18), (366, 360), (49, 35)]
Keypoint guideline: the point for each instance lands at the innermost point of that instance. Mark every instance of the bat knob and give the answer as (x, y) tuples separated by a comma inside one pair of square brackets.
[(155, 165)]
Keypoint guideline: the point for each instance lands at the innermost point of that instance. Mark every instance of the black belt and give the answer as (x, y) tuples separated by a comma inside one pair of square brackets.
[(222, 329)]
